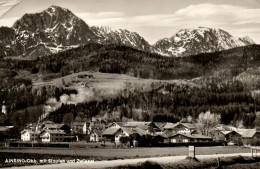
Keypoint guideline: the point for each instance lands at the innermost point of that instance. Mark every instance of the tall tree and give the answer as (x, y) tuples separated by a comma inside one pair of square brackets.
[(68, 118), (206, 121)]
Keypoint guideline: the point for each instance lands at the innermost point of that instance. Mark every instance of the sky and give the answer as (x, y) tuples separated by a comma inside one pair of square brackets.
[(152, 19)]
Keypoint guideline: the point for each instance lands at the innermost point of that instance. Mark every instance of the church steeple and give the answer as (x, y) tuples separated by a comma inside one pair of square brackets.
[(4, 108)]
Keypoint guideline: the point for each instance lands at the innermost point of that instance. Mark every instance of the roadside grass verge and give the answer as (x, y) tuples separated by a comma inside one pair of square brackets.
[(140, 152), (100, 154), (227, 162)]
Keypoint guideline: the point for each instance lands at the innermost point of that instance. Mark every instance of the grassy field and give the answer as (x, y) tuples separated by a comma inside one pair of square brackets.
[(225, 163), (119, 153), (98, 154), (106, 84), (106, 78)]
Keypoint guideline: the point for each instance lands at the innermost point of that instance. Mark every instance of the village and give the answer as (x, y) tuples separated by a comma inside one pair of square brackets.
[(135, 133)]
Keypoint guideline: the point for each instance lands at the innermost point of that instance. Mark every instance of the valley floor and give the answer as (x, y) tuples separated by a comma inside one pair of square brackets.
[(112, 157), (123, 153)]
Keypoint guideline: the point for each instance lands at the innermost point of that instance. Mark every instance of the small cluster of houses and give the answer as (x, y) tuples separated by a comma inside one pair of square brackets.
[(98, 130), (163, 132), (236, 136), (48, 131), (181, 133)]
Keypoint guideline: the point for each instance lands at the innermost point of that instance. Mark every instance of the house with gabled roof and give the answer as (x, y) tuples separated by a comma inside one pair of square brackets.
[(161, 138), (115, 124), (113, 134), (160, 125), (180, 127), (140, 131), (4, 129), (218, 135), (146, 126), (249, 136), (220, 132), (30, 135), (186, 138), (137, 124), (95, 136), (56, 126), (169, 126), (224, 127), (6, 132), (232, 136), (52, 136), (247, 133)]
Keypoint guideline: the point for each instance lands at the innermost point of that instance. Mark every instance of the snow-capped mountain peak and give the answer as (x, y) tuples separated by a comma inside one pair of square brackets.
[(51, 30), (56, 29), (201, 40), (109, 35)]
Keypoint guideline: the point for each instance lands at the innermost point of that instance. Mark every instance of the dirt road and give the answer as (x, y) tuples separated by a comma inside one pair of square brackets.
[(113, 163)]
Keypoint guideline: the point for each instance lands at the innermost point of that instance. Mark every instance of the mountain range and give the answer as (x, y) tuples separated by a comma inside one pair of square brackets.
[(56, 29)]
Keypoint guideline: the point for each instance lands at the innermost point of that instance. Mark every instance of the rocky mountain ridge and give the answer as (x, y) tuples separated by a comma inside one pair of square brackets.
[(201, 40), (56, 29)]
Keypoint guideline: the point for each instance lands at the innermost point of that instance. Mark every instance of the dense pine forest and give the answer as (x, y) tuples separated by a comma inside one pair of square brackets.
[(173, 103), (222, 85)]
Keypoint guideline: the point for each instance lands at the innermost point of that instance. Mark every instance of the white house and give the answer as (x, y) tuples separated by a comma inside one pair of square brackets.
[(94, 136), (30, 135), (115, 133), (52, 136)]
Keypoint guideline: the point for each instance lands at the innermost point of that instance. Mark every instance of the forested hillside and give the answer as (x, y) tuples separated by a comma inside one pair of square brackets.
[(221, 78), (172, 103), (125, 60)]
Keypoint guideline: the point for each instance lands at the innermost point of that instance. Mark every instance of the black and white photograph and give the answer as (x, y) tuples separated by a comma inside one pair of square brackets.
[(129, 84)]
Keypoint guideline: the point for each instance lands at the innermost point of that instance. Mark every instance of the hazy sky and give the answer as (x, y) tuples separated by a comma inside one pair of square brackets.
[(152, 19)]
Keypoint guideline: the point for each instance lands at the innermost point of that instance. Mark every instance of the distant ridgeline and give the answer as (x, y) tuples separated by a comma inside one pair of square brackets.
[(57, 29), (125, 60)]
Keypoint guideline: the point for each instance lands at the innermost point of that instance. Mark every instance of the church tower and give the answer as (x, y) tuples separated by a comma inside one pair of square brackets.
[(4, 108)]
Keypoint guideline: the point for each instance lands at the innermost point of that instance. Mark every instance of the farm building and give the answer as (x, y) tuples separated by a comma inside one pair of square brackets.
[(161, 138), (30, 135), (223, 127), (184, 128), (168, 127), (6, 132), (187, 128), (110, 133), (232, 136), (56, 126), (185, 138), (218, 135), (4, 129), (149, 127), (114, 134), (52, 136), (249, 136)]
